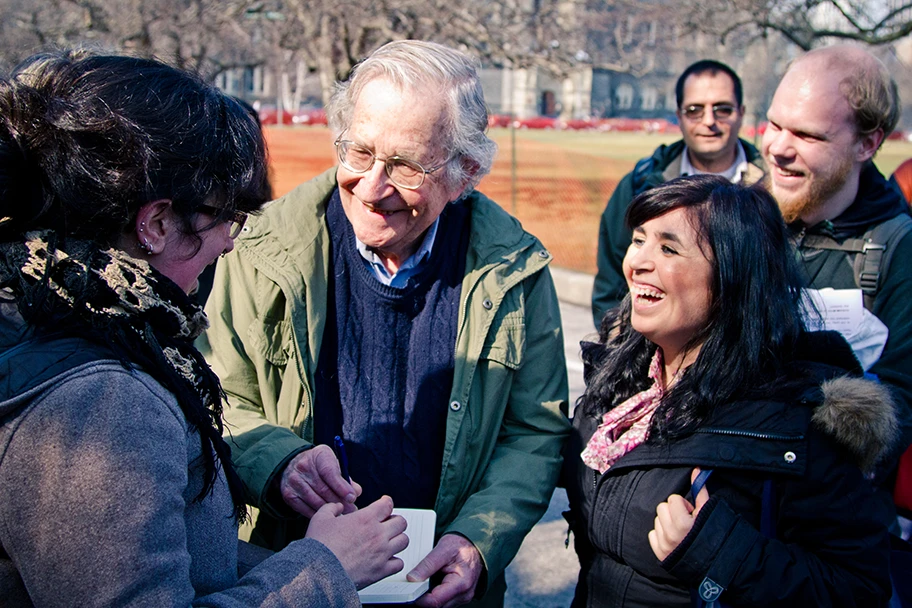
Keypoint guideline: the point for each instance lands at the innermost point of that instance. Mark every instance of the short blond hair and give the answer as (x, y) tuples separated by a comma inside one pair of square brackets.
[(866, 83)]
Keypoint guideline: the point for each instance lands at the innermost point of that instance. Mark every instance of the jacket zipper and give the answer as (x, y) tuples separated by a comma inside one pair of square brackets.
[(751, 434)]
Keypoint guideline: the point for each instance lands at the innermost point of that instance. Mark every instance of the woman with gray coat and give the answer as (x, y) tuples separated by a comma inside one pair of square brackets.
[(121, 179)]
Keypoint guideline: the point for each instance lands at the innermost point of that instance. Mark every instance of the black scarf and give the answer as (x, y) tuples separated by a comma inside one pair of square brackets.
[(121, 302)]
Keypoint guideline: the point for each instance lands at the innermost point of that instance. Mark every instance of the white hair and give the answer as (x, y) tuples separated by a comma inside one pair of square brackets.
[(413, 65)]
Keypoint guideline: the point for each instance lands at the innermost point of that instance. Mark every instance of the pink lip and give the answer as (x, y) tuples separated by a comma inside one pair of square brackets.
[(643, 306), (646, 286), (640, 304)]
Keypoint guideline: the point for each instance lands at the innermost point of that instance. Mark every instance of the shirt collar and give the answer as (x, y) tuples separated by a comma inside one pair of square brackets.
[(409, 267), (732, 174)]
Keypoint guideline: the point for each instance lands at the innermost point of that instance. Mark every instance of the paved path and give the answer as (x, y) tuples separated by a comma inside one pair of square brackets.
[(543, 575)]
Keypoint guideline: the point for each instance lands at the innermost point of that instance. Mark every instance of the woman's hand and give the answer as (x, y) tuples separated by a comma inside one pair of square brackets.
[(674, 519), (365, 541)]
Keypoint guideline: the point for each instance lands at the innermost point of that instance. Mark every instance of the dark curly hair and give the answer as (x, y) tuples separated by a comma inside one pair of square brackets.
[(85, 141), (754, 317)]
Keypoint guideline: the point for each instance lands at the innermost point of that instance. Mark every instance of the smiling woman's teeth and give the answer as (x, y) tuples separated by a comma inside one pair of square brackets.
[(647, 293)]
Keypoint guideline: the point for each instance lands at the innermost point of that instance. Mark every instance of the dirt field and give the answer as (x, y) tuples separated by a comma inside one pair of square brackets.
[(563, 179)]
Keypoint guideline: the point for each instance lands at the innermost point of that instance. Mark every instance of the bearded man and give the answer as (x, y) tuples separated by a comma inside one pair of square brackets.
[(830, 114)]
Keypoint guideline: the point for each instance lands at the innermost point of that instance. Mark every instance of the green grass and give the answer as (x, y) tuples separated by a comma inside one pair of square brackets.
[(630, 147)]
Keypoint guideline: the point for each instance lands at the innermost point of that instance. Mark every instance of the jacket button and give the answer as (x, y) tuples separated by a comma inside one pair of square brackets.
[(790, 457), (455, 406), (488, 304), (543, 254)]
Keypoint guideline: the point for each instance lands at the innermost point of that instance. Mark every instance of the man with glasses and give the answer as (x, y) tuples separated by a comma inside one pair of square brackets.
[(389, 304), (710, 112)]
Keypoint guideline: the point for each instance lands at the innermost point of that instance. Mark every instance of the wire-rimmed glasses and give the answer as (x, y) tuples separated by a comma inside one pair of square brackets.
[(237, 218), (403, 172)]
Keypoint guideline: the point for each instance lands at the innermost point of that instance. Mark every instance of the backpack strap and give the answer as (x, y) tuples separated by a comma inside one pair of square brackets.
[(872, 252)]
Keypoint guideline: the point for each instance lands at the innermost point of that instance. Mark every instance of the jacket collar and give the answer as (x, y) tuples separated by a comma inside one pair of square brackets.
[(768, 432), (282, 240), (667, 161), (875, 202)]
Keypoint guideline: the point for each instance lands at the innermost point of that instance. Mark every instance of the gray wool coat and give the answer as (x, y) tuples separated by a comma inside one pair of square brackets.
[(98, 472)]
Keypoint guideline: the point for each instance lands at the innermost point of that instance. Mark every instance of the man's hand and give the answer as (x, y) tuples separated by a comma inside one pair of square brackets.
[(365, 541), (674, 519), (459, 561), (313, 478)]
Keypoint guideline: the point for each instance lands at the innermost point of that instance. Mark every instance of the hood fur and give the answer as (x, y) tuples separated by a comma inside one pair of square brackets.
[(861, 416)]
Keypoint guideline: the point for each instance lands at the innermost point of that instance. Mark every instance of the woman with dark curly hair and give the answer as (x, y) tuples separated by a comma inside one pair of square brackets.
[(120, 180), (705, 375)]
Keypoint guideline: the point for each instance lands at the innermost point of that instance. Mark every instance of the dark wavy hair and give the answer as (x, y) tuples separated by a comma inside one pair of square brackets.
[(754, 317), (85, 141)]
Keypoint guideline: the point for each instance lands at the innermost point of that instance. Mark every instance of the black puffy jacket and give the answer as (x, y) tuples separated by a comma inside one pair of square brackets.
[(812, 437)]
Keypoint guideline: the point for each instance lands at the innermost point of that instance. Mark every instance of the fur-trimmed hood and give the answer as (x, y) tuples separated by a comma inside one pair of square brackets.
[(860, 415)]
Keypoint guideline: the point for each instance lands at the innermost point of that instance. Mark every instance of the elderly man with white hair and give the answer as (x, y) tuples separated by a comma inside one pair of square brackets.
[(389, 303)]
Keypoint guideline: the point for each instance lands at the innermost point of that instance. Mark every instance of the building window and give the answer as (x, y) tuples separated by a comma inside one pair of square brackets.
[(624, 96)]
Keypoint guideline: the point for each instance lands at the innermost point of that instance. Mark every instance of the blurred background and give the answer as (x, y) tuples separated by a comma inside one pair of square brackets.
[(578, 91)]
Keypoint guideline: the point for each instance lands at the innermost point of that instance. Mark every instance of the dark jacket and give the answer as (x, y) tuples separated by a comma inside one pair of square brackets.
[(812, 434), (614, 238), (99, 473), (875, 202)]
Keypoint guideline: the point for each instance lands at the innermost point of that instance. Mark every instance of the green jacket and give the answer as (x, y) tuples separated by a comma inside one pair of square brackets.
[(506, 422), (614, 238)]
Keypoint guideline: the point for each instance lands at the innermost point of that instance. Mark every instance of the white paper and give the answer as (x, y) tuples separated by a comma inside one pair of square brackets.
[(839, 309), (843, 310), (395, 589)]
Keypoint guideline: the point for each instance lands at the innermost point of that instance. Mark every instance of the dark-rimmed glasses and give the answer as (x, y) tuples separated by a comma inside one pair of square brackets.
[(720, 111), (237, 218), (403, 172)]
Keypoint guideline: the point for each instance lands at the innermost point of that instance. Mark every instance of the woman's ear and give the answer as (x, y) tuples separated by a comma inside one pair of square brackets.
[(154, 225)]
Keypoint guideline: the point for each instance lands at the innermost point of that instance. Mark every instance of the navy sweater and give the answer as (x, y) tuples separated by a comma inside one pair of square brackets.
[(385, 370)]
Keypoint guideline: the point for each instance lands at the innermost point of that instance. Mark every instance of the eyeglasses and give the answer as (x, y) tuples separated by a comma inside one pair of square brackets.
[(720, 111), (405, 173), (237, 218)]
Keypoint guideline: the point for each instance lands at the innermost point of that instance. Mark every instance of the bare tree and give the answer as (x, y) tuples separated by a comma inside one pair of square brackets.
[(207, 36), (631, 36), (804, 22)]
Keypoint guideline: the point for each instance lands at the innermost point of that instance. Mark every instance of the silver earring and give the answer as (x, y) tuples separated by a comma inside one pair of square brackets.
[(147, 247), (141, 226)]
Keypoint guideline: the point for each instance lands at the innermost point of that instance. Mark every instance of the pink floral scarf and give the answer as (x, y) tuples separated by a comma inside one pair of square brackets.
[(626, 426)]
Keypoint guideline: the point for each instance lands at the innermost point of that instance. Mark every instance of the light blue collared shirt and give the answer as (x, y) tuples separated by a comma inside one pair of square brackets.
[(732, 174), (409, 268)]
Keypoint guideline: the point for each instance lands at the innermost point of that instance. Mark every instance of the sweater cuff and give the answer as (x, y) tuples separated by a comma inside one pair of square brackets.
[(712, 552)]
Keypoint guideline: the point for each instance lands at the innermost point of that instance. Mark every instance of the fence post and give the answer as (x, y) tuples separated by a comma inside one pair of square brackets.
[(513, 164)]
